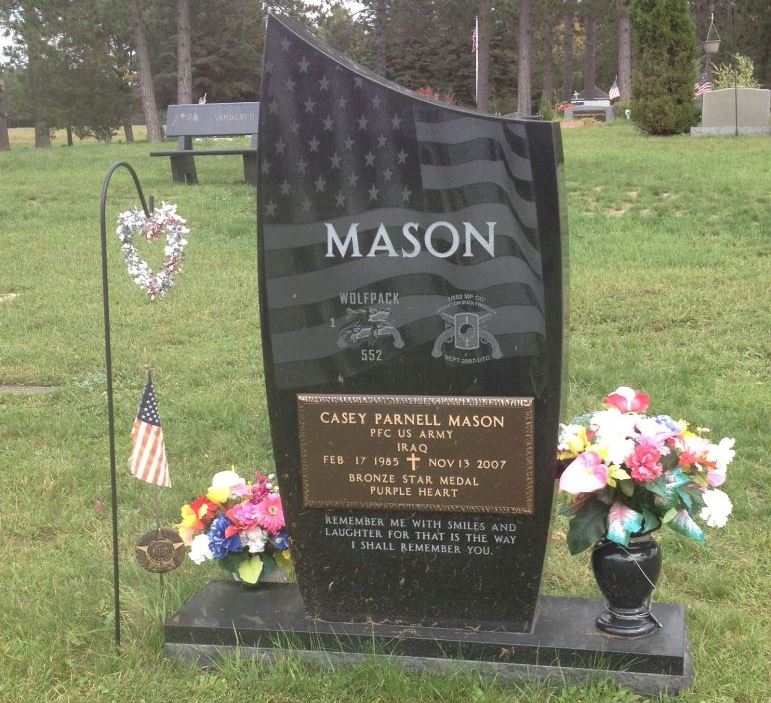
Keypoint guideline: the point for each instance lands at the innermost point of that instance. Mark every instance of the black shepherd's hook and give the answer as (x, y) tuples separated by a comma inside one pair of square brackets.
[(108, 369)]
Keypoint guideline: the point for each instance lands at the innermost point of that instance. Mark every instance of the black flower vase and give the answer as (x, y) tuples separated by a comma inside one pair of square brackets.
[(626, 577)]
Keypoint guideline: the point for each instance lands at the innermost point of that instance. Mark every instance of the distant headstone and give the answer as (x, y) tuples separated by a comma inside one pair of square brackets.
[(719, 112), (28, 390)]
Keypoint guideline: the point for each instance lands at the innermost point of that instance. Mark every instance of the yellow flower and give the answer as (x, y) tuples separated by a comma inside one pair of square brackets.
[(186, 534), (189, 518), (578, 441), (218, 494)]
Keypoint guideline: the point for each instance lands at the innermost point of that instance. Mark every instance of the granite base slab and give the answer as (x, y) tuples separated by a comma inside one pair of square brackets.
[(269, 623), (730, 131)]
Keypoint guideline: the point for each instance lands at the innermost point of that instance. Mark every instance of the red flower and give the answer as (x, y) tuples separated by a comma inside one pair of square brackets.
[(628, 400), (204, 509)]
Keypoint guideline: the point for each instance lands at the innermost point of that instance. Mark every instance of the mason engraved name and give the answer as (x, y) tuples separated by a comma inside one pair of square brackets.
[(440, 239)]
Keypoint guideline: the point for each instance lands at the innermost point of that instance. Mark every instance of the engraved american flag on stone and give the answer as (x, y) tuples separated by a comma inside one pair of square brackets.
[(340, 146)]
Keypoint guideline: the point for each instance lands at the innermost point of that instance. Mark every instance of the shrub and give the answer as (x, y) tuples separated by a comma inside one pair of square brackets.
[(742, 68), (546, 108), (428, 92), (620, 107), (664, 66)]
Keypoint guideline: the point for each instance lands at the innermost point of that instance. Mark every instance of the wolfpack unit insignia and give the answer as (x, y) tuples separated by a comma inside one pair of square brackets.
[(366, 326)]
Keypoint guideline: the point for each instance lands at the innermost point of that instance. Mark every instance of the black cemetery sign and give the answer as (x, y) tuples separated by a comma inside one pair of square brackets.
[(412, 317)]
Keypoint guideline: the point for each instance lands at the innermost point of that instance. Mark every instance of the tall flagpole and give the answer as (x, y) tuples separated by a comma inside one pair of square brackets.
[(476, 54)]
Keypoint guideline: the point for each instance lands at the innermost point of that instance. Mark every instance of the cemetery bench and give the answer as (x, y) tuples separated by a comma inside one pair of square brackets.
[(210, 120)]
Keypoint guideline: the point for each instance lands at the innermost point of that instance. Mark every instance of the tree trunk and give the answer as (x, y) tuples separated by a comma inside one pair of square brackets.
[(483, 57), (145, 75), (590, 28), (128, 133), (547, 59), (69, 135), (42, 135), (524, 81), (5, 142), (184, 57), (567, 69), (624, 51), (38, 95), (381, 22)]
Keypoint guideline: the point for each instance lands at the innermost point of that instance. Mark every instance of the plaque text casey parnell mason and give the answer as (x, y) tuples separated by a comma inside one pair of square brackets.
[(429, 453)]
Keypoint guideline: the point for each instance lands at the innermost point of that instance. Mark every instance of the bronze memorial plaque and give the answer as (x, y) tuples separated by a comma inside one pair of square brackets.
[(452, 454)]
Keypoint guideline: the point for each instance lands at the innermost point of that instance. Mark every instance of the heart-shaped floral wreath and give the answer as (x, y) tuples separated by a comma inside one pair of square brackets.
[(162, 220)]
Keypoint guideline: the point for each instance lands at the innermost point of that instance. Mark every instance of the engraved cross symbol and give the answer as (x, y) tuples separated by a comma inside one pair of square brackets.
[(413, 459)]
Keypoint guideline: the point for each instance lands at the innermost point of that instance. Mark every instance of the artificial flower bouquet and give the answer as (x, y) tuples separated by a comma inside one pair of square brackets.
[(628, 473), (238, 524)]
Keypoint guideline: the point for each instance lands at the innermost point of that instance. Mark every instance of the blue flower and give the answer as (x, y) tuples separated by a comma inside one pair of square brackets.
[(668, 422), (281, 541), (219, 544)]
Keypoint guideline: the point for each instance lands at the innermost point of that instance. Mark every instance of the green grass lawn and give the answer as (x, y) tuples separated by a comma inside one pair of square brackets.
[(669, 291)]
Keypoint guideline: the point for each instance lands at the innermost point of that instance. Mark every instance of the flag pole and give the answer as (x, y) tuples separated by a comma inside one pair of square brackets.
[(157, 498), (476, 55), (157, 491)]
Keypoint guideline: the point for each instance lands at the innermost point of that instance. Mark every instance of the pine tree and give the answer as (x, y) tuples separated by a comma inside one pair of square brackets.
[(568, 21), (525, 57), (145, 73), (664, 66), (184, 55), (483, 56), (5, 143), (624, 50)]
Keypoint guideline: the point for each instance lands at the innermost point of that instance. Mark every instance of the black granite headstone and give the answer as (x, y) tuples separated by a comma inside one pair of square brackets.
[(411, 259), (408, 248)]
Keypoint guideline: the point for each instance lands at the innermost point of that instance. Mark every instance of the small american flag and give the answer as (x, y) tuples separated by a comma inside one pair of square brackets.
[(148, 457), (475, 37), (614, 92), (703, 85)]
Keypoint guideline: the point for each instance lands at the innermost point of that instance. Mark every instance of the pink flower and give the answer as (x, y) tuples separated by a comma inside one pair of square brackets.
[(244, 516), (260, 489), (240, 490), (627, 400), (716, 477), (644, 461), (585, 474), (270, 513)]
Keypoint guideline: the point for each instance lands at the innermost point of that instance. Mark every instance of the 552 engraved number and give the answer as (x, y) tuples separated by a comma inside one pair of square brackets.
[(372, 355)]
